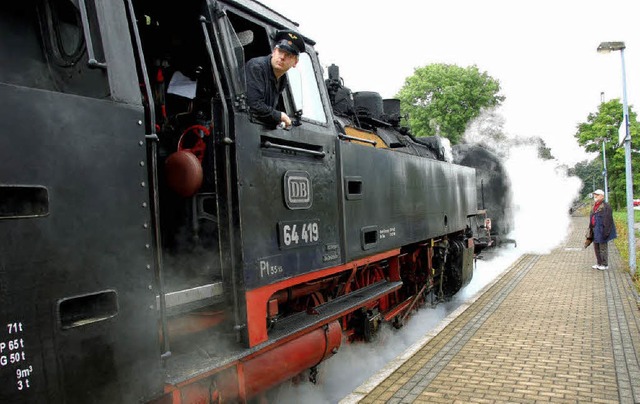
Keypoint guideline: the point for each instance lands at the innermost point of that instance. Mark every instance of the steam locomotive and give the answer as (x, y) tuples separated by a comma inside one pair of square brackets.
[(158, 245)]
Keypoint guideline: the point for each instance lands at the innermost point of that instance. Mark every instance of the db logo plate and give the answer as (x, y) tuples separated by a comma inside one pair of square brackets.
[(298, 193)]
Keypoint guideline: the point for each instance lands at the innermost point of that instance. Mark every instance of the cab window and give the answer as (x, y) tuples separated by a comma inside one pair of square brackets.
[(305, 91), (248, 39), (66, 48)]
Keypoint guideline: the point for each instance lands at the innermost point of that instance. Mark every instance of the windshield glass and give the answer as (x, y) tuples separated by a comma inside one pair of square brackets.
[(304, 88), (234, 54)]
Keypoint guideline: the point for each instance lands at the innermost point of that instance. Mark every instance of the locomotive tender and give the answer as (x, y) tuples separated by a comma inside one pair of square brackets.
[(157, 245)]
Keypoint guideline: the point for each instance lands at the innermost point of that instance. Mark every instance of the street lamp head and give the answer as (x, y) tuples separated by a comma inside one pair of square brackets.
[(606, 47)]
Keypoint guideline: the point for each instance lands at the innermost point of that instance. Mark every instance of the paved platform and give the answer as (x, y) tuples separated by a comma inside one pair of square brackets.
[(550, 329)]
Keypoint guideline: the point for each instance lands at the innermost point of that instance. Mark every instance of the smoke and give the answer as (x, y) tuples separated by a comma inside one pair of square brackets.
[(487, 130), (542, 194)]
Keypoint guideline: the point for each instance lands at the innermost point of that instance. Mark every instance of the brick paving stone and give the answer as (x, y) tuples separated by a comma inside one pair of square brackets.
[(550, 329)]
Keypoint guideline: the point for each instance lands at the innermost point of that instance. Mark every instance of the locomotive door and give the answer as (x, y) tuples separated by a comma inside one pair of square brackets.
[(284, 181), (287, 187)]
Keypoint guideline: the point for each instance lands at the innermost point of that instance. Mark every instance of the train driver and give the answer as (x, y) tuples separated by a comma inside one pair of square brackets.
[(266, 78)]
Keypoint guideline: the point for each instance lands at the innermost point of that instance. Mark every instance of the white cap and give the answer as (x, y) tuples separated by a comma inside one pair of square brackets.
[(598, 192)]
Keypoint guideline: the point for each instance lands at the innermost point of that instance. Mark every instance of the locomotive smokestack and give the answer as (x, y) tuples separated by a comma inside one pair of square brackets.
[(334, 72)]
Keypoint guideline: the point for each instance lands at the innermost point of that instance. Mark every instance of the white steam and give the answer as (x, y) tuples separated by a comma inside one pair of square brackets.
[(542, 190), (543, 194)]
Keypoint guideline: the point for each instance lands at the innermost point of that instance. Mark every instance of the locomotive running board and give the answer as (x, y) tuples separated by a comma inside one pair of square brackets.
[(332, 310), (181, 368)]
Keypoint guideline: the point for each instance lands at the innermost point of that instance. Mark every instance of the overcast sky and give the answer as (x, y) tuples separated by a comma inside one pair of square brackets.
[(542, 52)]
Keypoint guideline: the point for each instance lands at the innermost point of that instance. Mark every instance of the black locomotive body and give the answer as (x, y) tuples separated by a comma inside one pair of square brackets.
[(156, 244)]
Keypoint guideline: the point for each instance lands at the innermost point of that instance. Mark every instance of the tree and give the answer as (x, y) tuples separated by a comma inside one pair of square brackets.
[(442, 99), (603, 126), (544, 152), (590, 172)]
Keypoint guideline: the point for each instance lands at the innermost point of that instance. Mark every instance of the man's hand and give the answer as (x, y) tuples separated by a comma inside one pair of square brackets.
[(284, 118)]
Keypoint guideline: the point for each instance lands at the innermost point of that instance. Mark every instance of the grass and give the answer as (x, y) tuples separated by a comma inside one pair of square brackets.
[(620, 218)]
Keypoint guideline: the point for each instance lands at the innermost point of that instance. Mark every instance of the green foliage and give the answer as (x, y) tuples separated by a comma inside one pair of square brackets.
[(442, 99), (621, 242), (604, 125), (590, 172), (544, 152)]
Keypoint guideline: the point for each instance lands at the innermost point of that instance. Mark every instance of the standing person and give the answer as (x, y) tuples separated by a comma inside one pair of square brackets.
[(603, 229), (266, 78)]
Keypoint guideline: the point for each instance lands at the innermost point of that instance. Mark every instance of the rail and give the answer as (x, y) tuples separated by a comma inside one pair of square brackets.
[(267, 144)]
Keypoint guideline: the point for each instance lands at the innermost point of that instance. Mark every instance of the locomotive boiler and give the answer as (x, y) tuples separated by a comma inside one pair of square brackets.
[(157, 245)]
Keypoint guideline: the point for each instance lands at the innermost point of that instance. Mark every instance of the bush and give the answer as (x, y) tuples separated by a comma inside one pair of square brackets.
[(620, 218)]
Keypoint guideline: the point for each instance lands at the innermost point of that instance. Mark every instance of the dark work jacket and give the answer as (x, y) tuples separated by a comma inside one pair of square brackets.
[(263, 91), (604, 229)]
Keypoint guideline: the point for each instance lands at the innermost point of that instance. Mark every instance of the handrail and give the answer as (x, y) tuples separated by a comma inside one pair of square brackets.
[(87, 37), (267, 144), (227, 142), (152, 142), (359, 139)]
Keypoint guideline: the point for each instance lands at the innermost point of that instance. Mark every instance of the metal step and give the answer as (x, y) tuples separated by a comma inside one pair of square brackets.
[(193, 298)]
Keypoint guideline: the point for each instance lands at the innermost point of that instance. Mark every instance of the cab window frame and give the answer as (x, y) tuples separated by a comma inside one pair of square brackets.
[(235, 21)]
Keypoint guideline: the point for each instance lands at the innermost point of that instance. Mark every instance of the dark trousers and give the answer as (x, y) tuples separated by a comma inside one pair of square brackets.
[(602, 253)]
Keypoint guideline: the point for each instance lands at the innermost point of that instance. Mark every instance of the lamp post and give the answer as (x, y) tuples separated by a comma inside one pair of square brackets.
[(604, 160), (606, 47), (604, 172)]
